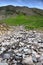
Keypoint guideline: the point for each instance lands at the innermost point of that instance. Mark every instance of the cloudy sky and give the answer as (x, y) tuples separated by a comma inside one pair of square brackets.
[(29, 3)]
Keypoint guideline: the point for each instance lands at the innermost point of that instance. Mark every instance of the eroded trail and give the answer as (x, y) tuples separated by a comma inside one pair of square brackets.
[(21, 47)]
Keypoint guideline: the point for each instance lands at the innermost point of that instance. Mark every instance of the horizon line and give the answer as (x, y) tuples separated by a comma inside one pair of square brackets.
[(21, 6)]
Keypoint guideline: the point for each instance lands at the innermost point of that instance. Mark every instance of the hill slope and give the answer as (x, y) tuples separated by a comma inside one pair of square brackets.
[(11, 10), (34, 20), (30, 22)]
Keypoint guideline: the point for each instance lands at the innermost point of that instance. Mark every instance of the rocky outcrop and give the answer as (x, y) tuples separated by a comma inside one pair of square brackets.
[(21, 47)]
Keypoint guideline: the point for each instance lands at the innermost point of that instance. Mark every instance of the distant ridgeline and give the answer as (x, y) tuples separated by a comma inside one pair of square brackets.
[(16, 10)]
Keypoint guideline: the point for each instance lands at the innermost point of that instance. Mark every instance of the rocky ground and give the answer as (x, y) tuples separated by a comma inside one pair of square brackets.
[(21, 47)]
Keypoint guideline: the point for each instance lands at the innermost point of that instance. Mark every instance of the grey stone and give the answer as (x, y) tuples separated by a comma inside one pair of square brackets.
[(41, 49), (6, 56), (34, 58), (27, 51), (18, 57), (3, 64), (41, 58), (39, 63), (27, 61)]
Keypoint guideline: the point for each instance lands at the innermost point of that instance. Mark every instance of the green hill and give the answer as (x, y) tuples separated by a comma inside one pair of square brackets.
[(31, 18)]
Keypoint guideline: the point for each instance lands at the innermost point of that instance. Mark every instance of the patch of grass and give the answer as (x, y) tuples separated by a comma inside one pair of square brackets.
[(30, 22)]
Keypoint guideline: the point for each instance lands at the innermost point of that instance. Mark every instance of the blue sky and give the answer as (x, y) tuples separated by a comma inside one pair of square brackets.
[(29, 3)]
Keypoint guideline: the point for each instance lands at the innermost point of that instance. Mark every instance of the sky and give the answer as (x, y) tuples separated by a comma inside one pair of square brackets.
[(28, 3)]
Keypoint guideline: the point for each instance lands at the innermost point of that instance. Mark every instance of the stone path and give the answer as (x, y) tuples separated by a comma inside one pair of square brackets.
[(21, 47)]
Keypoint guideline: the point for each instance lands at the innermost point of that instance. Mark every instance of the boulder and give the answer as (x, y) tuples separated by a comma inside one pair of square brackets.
[(28, 61)]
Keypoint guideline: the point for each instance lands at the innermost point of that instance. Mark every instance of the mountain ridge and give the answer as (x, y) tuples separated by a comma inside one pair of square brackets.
[(10, 10)]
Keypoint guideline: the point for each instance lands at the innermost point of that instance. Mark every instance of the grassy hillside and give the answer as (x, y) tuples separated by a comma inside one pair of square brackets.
[(30, 22)]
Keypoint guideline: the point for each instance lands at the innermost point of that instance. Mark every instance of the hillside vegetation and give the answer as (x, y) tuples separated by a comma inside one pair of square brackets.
[(31, 18), (30, 22)]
